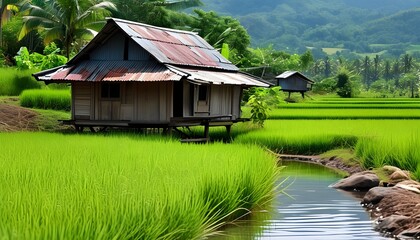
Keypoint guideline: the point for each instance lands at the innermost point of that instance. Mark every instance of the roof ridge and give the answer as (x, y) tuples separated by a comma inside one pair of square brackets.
[(151, 26)]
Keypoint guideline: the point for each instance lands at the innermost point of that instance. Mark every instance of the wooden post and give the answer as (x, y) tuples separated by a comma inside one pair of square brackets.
[(228, 127), (206, 129)]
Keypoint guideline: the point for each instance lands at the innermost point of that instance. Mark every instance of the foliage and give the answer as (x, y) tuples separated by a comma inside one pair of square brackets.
[(67, 21), (24, 60), (354, 25), (344, 85), (84, 185), (156, 12), (219, 30), (268, 62), (46, 99), (14, 81), (260, 102)]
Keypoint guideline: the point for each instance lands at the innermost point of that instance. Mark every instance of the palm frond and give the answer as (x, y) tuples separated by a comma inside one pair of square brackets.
[(52, 34)]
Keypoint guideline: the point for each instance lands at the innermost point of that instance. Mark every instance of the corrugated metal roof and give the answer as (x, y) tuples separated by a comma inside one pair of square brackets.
[(142, 71), (218, 77), (174, 46), (288, 74)]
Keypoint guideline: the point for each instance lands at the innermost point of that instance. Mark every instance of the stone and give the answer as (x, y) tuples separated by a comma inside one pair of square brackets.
[(390, 169), (412, 233), (376, 194), (391, 223), (409, 185), (358, 181), (399, 176)]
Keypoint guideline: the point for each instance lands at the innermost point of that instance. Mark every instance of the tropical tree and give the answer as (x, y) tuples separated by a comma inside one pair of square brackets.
[(7, 8), (156, 12), (66, 21)]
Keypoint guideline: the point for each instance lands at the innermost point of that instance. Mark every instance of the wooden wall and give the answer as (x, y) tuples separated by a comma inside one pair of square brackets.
[(223, 100), (145, 102), (82, 105), (293, 83)]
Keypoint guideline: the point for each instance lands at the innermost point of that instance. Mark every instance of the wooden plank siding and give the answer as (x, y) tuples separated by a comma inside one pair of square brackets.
[(81, 99), (293, 83)]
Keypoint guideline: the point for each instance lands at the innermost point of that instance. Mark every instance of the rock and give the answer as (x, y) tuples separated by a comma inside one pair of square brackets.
[(390, 169), (412, 233), (376, 194), (392, 223), (358, 181), (410, 185), (399, 176)]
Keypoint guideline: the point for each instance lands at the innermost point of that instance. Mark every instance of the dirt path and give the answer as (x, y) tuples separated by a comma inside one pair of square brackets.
[(14, 118)]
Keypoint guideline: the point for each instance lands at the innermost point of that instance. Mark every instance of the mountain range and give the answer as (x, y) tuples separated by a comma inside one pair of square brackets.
[(356, 25)]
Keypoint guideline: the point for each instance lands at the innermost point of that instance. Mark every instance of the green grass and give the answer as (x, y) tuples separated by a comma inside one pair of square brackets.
[(46, 99), (400, 151), (49, 120), (14, 81), (126, 187), (376, 142), (343, 113)]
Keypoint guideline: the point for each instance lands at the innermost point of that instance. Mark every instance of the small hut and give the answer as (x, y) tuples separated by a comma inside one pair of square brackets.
[(293, 81), (142, 76)]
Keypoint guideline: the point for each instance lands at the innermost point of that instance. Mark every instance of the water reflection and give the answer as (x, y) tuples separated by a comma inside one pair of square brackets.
[(313, 211)]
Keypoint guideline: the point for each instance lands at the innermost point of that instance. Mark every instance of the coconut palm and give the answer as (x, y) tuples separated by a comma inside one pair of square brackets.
[(66, 21)]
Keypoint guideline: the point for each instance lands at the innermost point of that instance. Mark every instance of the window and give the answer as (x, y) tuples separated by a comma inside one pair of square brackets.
[(202, 92), (110, 90)]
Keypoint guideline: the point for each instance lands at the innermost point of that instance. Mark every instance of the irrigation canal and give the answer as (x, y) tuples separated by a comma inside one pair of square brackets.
[(312, 211)]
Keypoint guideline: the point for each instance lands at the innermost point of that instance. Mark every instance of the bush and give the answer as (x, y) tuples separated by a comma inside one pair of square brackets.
[(13, 81), (46, 99)]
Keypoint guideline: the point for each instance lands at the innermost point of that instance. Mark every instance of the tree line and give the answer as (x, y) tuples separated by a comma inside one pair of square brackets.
[(63, 27)]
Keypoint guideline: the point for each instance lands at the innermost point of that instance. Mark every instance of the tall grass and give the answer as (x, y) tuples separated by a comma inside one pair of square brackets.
[(396, 150), (377, 142), (343, 113), (46, 99), (14, 81), (125, 187)]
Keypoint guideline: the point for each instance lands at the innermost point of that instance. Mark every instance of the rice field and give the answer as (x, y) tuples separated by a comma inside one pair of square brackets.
[(46, 99), (126, 186), (380, 131)]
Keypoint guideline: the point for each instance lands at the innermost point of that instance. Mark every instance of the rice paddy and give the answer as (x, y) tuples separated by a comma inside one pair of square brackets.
[(380, 131), (126, 187), (46, 99)]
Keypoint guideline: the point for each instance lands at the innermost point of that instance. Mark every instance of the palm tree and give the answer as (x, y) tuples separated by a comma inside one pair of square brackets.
[(66, 21), (7, 8)]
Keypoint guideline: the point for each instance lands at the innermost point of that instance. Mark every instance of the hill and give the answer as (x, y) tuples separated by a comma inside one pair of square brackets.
[(355, 25)]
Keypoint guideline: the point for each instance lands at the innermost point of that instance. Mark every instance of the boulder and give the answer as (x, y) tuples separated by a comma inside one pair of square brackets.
[(376, 194), (409, 185), (412, 233), (390, 169), (399, 176), (392, 223), (358, 181)]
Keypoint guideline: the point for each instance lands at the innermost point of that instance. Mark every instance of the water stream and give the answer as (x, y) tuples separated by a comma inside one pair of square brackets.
[(311, 211)]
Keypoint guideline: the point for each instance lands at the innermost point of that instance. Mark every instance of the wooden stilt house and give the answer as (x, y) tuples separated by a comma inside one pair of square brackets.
[(137, 75), (292, 81)]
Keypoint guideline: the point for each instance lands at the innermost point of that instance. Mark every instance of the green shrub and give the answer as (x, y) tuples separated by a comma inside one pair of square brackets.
[(46, 99), (13, 81)]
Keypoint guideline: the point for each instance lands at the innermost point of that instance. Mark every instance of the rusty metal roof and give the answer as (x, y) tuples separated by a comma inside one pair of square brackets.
[(168, 46), (145, 71), (111, 71), (288, 74)]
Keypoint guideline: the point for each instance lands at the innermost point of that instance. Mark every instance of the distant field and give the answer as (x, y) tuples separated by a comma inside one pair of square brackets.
[(332, 51)]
